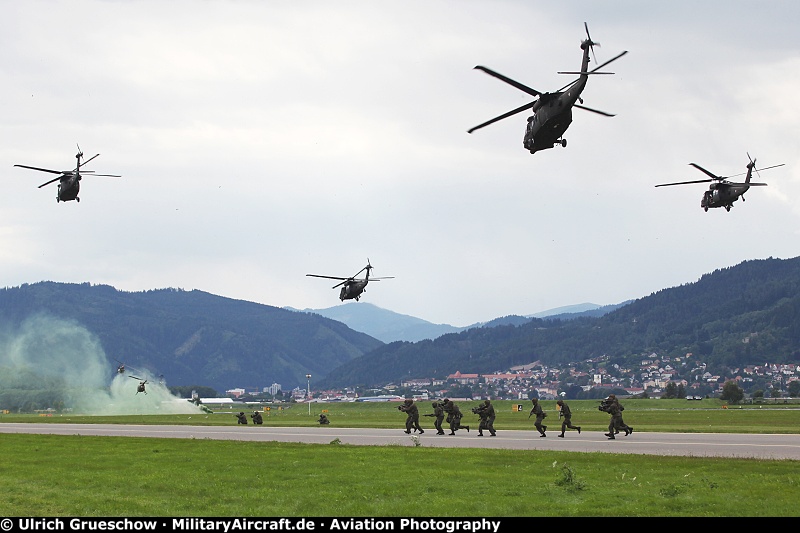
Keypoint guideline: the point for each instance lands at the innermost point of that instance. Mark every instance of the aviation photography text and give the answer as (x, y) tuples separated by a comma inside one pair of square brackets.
[(226, 525)]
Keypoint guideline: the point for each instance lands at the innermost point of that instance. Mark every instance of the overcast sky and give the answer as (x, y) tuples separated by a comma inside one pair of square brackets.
[(260, 141)]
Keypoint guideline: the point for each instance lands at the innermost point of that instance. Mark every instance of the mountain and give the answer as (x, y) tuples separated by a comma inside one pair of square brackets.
[(191, 337), (384, 325), (746, 314), (580, 310), (567, 309), (388, 326)]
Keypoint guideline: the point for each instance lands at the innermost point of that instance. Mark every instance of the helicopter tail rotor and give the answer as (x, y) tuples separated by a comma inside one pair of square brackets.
[(589, 42), (753, 166)]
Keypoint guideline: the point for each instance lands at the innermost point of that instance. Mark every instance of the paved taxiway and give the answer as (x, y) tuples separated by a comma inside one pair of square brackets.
[(686, 444)]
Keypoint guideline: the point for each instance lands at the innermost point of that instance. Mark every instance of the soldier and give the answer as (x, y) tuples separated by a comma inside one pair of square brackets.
[(323, 419), (486, 412), (454, 417), (412, 416), (616, 423), (566, 414), (540, 414), (438, 413), (242, 419), (256, 416)]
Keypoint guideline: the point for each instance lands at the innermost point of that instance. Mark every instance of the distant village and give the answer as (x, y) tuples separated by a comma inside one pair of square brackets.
[(652, 377)]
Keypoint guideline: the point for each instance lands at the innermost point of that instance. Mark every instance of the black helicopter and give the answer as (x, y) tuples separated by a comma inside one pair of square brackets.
[(721, 192), (552, 112), (69, 180), (141, 386), (352, 287), (122, 367)]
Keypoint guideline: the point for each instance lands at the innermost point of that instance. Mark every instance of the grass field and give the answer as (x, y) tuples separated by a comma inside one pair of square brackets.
[(48, 475)]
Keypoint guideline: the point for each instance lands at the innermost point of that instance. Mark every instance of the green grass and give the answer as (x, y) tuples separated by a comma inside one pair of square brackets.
[(672, 416), (48, 475)]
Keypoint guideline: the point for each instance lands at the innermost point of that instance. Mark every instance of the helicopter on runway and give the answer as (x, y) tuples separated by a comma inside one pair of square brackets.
[(552, 112), (352, 287), (721, 192), (69, 180)]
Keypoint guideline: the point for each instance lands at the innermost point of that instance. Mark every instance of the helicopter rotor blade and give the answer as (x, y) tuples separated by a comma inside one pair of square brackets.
[(706, 172), (593, 110), (683, 183), (773, 166), (43, 169), (105, 175), (49, 182), (760, 170), (326, 277), (577, 73), (593, 71), (513, 83), (344, 282), (501, 117), (94, 156)]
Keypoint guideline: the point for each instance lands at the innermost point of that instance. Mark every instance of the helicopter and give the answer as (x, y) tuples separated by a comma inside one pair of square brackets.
[(552, 112), (142, 383), (122, 367), (69, 180), (721, 192), (352, 287)]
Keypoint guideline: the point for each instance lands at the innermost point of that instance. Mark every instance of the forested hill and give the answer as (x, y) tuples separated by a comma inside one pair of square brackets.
[(192, 337), (746, 314)]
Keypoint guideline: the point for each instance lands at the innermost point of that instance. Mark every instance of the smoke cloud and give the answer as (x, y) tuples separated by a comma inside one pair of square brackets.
[(52, 363)]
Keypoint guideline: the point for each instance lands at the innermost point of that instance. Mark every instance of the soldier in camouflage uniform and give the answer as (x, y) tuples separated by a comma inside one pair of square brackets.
[(412, 418), (566, 414), (438, 414), (454, 417), (540, 414)]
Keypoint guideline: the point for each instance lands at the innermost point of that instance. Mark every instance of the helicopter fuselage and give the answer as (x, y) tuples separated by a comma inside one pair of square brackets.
[(352, 290), (547, 125), (68, 188), (552, 113), (722, 195)]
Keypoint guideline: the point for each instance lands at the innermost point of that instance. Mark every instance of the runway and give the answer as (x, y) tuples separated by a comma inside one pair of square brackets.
[(756, 446)]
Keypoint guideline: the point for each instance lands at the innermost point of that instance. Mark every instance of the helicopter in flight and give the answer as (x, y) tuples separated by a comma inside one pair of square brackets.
[(353, 287), (721, 192), (141, 386), (552, 112), (69, 180)]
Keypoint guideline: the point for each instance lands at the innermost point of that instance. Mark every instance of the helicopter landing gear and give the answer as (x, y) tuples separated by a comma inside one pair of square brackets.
[(728, 207), (563, 143), (77, 199)]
